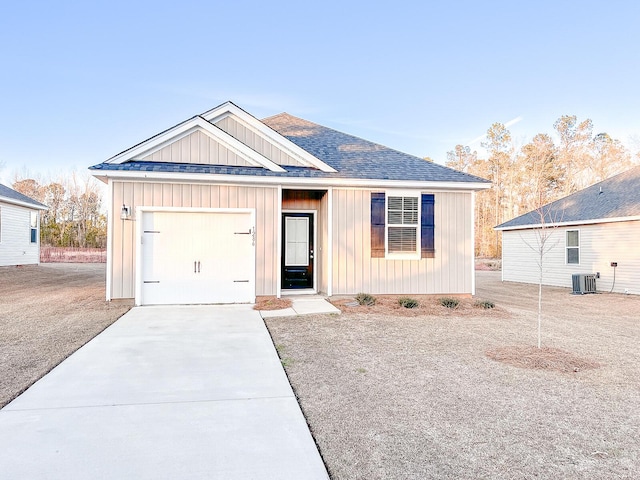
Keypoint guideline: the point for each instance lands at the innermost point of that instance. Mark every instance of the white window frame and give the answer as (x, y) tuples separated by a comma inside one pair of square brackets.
[(32, 227), (567, 247), (402, 255)]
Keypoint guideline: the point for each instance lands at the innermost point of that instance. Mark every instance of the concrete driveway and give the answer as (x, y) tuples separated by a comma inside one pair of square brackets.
[(165, 392)]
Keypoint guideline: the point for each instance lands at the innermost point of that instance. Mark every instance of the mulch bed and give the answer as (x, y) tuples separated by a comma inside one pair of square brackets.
[(545, 358), (429, 305), (271, 303)]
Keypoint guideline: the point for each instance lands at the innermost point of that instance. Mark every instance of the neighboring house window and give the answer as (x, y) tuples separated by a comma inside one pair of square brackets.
[(402, 224), (573, 247), (34, 227)]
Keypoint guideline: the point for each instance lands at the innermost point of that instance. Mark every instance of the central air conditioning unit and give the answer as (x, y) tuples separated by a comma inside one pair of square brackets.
[(583, 283)]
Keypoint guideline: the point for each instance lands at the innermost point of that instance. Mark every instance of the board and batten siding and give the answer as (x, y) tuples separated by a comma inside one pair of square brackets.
[(256, 142), (600, 244), (450, 272), (152, 194), (197, 148), (15, 236)]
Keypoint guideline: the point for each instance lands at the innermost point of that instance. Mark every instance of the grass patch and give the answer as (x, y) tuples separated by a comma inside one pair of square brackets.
[(285, 361)]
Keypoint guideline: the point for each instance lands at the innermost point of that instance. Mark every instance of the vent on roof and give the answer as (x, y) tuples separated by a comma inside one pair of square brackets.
[(583, 283)]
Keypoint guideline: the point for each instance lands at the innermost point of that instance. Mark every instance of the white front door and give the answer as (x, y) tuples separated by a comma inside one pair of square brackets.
[(197, 257)]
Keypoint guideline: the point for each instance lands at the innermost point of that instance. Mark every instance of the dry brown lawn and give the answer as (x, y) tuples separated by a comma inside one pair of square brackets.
[(396, 394), (46, 313), (419, 396)]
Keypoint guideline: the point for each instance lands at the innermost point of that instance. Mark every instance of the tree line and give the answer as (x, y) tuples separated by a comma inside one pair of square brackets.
[(523, 179), (74, 217), (541, 171)]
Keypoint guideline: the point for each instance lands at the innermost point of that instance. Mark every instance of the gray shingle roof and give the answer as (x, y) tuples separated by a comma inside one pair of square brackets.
[(352, 157), (10, 194), (615, 197), (355, 157)]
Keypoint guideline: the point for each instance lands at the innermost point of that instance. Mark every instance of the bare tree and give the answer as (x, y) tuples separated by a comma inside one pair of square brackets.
[(74, 218), (609, 156), (500, 161), (544, 242), (573, 152), (461, 158)]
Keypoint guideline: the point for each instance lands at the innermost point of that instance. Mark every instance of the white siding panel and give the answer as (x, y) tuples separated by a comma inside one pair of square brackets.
[(197, 148), (134, 194), (256, 142), (600, 245), (15, 236), (354, 269)]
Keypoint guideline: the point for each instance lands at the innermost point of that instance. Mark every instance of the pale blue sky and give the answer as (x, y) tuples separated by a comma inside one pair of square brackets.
[(82, 81)]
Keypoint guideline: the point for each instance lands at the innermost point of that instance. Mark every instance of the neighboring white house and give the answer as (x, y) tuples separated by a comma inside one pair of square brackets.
[(223, 207), (19, 228), (588, 232)]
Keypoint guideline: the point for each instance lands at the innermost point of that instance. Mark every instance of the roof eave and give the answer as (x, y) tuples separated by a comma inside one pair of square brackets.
[(181, 177), (571, 223), (20, 203)]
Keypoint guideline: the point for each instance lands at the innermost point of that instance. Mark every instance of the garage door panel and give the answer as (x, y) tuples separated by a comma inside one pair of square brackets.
[(191, 258)]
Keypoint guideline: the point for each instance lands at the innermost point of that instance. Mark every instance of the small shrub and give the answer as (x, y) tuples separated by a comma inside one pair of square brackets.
[(365, 299), (408, 302), (449, 302), (486, 304)]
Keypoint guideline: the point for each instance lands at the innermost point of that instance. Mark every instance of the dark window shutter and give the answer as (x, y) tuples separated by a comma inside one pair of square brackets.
[(427, 227), (377, 225)]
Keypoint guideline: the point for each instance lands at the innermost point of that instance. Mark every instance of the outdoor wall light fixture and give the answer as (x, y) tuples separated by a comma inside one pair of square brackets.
[(125, 213)]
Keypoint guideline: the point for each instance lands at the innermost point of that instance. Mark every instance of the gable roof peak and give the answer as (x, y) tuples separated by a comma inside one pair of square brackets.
[(266, 132)]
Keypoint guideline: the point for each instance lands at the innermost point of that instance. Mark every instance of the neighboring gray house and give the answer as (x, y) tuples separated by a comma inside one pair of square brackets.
[(223, 207), (19, 228), (589, 231)]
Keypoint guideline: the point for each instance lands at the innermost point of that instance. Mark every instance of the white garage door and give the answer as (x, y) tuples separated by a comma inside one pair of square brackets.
[(196, 257)]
